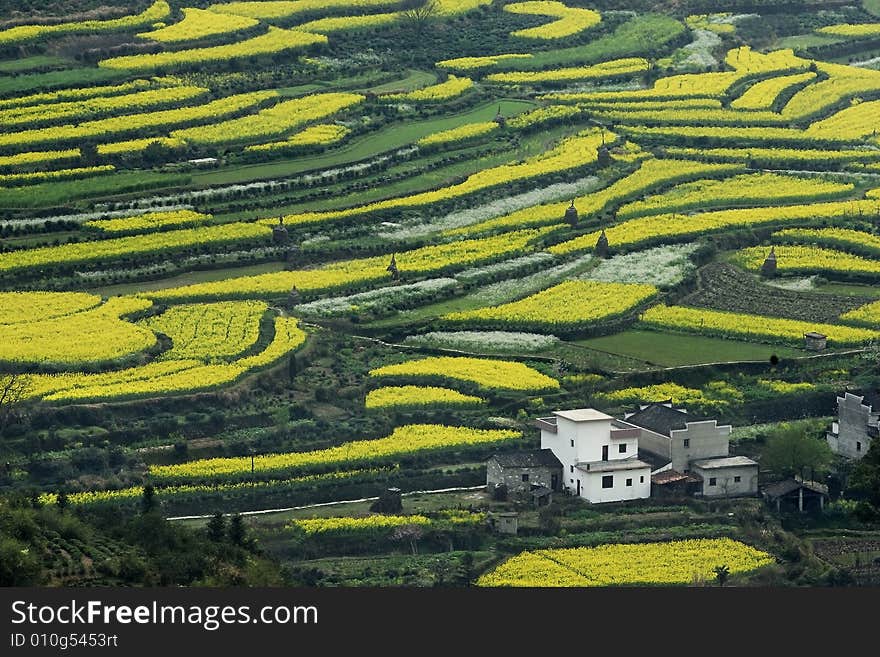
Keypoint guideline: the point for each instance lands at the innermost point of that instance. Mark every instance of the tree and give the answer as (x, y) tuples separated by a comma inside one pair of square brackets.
[(722, 574), (417, 13), (148, 499), (237, 531), (865, 479), (790, 451), (217, 528), (62, 502), (410, 533), (14, 389)]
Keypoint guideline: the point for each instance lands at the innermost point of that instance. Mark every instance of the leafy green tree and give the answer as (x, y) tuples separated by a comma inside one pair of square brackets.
[(722, 574), (148, 499), (18, 564), (237, 532), (790, 451), (865, 479), (217, 528)]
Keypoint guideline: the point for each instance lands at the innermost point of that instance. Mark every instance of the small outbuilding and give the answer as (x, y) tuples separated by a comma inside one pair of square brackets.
[(796, 495), (815, 341), (729, 476), (524, 472)]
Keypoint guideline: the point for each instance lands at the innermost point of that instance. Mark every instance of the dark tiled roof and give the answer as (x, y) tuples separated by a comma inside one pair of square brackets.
[(872, 399), (787, 486), (534, 458), (654, 460), (659, 418)]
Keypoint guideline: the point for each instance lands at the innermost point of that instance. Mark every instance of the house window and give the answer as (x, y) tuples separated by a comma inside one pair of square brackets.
[(571, 480), (608, 481), (737, 479), (572, 443), (858, 446), (622, 448), (642, 479), (712, 481), (525, 476), (687, 442), (629, 482), (572, 468)]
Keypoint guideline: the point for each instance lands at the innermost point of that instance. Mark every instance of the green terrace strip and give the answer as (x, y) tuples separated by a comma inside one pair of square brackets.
[(650, 175), (777, 157), (420, 396), (751, 327), (117, 125), (839, 238), (675, 227), (484, 372), (156, 12), (66, 255), (273, 42), (809, 259), (363, 271), (645, 105), (571, 153), (570, 305), (93, 107), (743, 190), (408, 440), (135, 493)]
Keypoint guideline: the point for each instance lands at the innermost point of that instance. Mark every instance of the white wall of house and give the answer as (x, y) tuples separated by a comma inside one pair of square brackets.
[(593, 441), (725, 480), (592, 490)]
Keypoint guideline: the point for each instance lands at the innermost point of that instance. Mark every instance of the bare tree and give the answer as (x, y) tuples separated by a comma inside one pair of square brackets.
[(417, 13), (14, 389), (410, 533)]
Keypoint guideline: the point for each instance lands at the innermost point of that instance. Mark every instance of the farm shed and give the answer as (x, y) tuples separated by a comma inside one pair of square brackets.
[(815, 341), (796, 494)]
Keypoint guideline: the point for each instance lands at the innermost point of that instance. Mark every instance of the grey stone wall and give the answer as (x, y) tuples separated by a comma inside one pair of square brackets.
[(853, 418)]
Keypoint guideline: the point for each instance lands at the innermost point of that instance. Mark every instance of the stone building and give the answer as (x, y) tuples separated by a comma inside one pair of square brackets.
[(815, 341), (856, 426), (523, 472)]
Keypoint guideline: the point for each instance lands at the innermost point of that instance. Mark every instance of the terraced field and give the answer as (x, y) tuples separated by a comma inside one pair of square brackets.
[(362, 243)]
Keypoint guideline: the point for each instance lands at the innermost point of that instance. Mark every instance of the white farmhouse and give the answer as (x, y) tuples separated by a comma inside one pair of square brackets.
[(599, 455)]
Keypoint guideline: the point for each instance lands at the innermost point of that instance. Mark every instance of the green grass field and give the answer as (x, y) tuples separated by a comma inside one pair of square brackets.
[(670, 350), (386, 139), (872, 6), (34, 63)]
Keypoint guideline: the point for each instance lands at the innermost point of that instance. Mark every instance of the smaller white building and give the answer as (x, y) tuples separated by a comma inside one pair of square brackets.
[(599, 455)]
